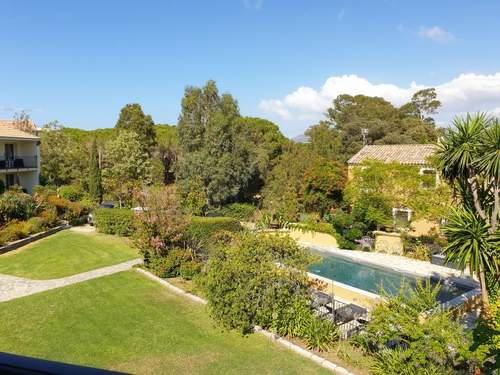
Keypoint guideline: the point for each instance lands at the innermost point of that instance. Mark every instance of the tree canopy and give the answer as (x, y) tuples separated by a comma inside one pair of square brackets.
[(385, 123), (132, 118), (224, 153)]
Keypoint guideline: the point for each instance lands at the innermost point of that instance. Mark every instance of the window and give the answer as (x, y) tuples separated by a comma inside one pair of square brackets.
[(430, 178), (9, 155), (401, 217)]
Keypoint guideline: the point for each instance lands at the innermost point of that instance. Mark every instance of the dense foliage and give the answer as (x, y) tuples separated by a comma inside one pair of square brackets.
[(240, 211), (117, 221), (127, 167), (262, 280), (469, 158), (384, 123), (406, 339), (95, 188), (133, 119), (211, 152), (22, 214), (378, 185), (201, 230)]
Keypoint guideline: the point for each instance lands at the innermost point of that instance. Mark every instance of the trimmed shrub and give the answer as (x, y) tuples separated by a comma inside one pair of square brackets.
[(117, 221), (240, 211), (16, 206), (37, 224), (74, 211), (169, 265), (49, 216), (190, 269), (316, 227), (13, 231), (201, 230), (71, 192)]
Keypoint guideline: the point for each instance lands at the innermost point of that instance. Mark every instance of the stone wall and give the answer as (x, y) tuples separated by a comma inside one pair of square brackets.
[(390, 243)]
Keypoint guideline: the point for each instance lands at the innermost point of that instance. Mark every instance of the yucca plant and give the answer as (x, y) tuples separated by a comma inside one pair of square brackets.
[(468, 157)]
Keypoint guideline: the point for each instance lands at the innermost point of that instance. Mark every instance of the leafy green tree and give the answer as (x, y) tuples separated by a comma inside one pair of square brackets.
[(167, 149), (468, 157), (63, 160), (161, 224), (323, 185), (95, 178), (425, 103), (265, 143), (210, 150), (385, 123), (325, 140), (244, 283), (283, 192), (127, 166), (132, 118)]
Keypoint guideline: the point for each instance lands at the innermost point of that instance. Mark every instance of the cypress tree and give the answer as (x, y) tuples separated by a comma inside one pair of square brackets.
[(95, 179)]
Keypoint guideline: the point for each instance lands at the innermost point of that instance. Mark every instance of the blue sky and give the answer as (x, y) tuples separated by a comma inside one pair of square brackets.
[(80, 62)]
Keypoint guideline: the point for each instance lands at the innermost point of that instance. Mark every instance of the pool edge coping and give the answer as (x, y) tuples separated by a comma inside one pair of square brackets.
[(455, 302)]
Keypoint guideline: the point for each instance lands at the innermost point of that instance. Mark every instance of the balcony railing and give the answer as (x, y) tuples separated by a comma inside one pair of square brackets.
[(18, 162)]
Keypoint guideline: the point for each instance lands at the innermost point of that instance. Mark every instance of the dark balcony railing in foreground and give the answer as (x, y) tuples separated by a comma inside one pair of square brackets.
[(18, 162), (15, 364)]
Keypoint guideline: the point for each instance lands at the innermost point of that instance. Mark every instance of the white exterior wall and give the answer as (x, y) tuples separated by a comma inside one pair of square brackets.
[(29, 149)]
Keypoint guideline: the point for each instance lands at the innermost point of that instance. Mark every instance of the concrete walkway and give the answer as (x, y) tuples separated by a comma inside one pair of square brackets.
[(12, 287)]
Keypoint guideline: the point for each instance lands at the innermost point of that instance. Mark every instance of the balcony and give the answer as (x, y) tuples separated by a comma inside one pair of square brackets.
[(18, 163)]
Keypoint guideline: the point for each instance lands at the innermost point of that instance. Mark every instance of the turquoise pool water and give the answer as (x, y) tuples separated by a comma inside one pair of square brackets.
[(371, 279)]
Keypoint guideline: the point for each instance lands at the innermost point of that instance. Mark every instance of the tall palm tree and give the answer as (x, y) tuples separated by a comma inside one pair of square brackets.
[(468, 157)]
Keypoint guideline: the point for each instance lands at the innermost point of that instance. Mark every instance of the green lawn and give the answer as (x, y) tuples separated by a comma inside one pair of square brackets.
[(129, 323), (66, 253)]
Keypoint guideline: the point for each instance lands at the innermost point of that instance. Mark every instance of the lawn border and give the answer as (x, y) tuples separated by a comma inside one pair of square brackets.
[(274, 337), (31, 238)]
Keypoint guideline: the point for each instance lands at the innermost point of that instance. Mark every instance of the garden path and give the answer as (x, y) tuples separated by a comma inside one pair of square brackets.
[(12, 287)]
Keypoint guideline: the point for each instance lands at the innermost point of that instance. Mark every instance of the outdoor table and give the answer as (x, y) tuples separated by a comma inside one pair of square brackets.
[(349, 312)]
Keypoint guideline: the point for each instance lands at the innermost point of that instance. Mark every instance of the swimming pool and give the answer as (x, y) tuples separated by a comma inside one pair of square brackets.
[(371, 278)]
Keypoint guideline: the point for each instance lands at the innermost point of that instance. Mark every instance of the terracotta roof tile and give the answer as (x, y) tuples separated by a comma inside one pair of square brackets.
[(10, 129), (413, 154)]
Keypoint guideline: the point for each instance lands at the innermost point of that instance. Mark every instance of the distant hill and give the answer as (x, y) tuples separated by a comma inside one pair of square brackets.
[(302, 138)]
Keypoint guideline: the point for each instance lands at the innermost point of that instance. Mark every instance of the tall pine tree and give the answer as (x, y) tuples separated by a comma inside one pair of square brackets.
[(133, 118), (95, 180)]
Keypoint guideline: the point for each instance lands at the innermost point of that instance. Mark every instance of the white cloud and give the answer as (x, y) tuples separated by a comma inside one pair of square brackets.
[(253, 4), (436, 34), (341, 14), (277, 107), (466, 93)]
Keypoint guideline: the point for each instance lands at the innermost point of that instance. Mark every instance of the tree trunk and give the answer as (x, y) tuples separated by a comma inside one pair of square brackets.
[(484, 293)]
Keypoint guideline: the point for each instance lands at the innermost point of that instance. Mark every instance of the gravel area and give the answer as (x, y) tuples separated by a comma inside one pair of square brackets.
[(12, 287)]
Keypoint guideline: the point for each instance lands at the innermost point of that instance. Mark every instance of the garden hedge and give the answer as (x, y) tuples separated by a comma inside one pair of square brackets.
[(202, 229), (117, 221), (240, 211)]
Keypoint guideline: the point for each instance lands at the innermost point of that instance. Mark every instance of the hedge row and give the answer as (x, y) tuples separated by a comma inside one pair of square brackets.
[(202, 229), (117, 221), (240, 211)]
